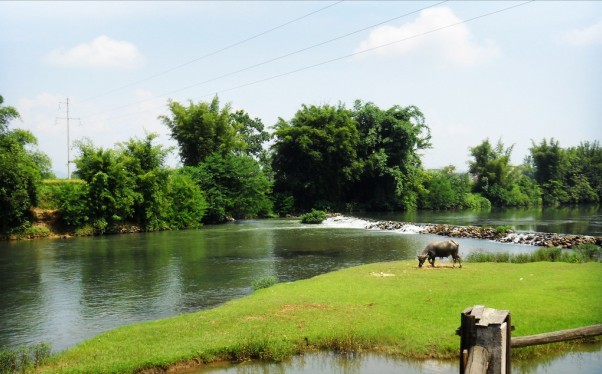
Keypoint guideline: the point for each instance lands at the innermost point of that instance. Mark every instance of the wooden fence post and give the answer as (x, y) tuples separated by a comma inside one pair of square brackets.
[(485, 336)]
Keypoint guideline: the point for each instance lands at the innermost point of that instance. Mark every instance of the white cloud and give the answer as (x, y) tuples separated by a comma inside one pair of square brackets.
[(453, 44), (583, 37), (102, 52)]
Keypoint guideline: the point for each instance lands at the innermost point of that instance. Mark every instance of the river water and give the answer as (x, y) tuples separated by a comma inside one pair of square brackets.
[(66, 291)]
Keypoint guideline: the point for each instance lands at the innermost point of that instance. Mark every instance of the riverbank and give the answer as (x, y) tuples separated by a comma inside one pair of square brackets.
[(392, 308)]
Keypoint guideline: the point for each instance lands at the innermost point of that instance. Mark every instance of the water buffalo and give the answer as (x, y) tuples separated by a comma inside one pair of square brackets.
[(440, 249)]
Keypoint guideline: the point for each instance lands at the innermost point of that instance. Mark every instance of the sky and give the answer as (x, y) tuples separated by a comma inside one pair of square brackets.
[(517, 72)]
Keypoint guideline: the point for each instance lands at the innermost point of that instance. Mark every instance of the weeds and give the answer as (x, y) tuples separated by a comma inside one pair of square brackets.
[(581, 253), (24, 357), (264, 282)]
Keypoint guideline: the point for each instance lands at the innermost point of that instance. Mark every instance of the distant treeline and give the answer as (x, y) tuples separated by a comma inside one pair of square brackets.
[(326, 157)]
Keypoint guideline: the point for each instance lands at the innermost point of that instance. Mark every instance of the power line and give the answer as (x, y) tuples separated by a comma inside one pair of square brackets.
[(214, 52), (371, 49), (337, 58), (277, 58)]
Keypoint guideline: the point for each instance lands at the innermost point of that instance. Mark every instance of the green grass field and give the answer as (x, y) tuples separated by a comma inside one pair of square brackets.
[(393, 308)]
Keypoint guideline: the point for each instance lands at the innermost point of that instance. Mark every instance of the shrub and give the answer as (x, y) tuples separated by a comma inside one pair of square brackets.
[(503, 230), (264, 282), (547, 254), (21, 358), (588, 251), (313, 217), (37, 231)]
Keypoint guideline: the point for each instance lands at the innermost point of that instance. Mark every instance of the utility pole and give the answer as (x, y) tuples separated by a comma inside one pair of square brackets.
[(68, 139)]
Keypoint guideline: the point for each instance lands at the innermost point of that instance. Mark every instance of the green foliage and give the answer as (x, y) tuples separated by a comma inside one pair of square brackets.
[(36, 231), (567, 176), (130, 184), (498, 181), (313, 217), (203, 129), (314, 155), (588, 251), (477, 202), (390, 167), (284, 203), (367, 157), (264, 282), (581, 253), (21, 359), (21, 169), (187, 202), (234, 186), (72, 201), (503, 229)]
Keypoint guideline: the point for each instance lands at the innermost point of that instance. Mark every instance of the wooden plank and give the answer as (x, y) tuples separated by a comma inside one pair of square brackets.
[(478, 358), (477, 311), (468, 335), (557, 336), (493, 317)]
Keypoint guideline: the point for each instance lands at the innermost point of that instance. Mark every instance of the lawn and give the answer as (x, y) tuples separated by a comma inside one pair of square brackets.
[(393, 308)]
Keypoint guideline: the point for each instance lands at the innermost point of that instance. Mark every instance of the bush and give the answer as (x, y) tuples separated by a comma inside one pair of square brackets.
[(476, 202), (264, 282), (313, 217), (588, 251), (37, 231), (503, 230), (20, 359)]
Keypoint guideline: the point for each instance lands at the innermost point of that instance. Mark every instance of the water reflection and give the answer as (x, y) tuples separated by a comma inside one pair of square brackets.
[(586, 359)]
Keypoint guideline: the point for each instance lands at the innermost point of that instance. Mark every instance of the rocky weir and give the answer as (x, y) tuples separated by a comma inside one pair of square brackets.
[(500, 234)]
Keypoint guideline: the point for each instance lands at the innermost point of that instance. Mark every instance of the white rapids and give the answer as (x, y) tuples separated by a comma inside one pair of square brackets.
[(345, 222)]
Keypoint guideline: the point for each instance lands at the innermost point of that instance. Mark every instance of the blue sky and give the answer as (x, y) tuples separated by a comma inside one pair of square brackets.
[(475, 69)]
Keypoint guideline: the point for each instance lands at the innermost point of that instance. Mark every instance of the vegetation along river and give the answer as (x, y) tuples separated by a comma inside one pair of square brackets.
[(66, 291)]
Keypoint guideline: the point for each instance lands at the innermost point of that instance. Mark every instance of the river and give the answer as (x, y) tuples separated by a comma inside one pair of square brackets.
[(66, 291)]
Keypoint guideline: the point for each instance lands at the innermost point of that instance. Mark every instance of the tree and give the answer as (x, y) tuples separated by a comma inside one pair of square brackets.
[(203, 129), (568, 175), (314, 156), (253, 135), (497, 180), (19, 172), (546, 160), (234, 186), (111, 187), (589, 155), (388, 152), (145, 164)]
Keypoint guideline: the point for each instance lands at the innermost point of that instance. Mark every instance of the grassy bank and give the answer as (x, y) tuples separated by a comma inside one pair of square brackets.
[(391, 307)]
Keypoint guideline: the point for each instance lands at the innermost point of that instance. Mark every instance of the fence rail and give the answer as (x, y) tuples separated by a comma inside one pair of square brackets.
[(556, 336), (486, 342)]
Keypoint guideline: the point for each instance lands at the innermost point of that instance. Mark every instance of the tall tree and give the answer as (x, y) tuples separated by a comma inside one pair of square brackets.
[(314, 155), (547, 159), (503, 184), (390, 141), (202, 129), (20, 172), (234, 186), (145, 162), (567, 175)]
